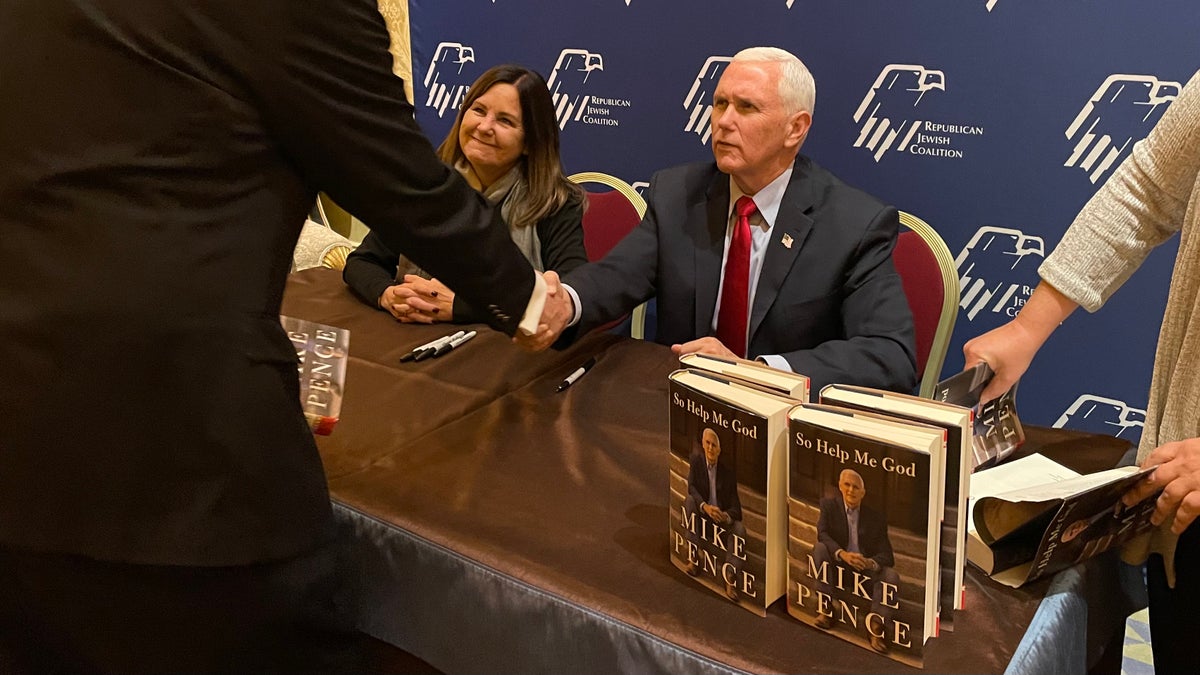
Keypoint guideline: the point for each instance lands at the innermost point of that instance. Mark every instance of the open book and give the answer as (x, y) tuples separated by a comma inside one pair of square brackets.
[(1033, 517)]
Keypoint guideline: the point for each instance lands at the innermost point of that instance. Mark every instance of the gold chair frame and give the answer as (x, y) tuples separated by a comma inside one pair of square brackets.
[(949, 313), (637, 327)]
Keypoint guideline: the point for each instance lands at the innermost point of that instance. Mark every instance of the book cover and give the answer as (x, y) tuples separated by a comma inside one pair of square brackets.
[(958, 421), (322, 353), (998, 431), (728, 483), (864, 528), (1034, 531)]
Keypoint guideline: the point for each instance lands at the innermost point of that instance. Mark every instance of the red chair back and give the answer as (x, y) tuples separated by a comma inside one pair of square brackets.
[(930, 279), (922, 279), (609, 217)]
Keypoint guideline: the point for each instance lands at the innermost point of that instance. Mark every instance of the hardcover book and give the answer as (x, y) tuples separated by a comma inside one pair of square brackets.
[(322, 352), (1035, 517), (863, 561), (998, 431), (782, 382), (958, 422), (728, 486)]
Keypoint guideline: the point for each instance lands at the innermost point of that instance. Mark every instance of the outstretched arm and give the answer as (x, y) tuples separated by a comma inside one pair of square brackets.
[(1010, 348)]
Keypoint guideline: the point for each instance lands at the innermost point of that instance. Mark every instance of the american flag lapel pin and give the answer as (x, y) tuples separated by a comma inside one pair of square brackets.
[(787, 240)]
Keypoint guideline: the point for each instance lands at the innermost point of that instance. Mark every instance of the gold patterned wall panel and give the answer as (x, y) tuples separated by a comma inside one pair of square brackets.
[(395, 14)]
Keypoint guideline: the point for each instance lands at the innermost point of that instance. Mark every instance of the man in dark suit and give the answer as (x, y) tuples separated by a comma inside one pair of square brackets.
[(713, 494), (762, 254), (856, 537), (162, 504)]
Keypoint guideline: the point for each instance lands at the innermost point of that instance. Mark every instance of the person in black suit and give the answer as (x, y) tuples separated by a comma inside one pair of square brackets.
[(713, 494), (162, 504), (505, 143), (855, 537), (818, 295)]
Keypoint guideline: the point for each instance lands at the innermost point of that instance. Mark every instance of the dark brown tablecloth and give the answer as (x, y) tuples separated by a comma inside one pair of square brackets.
[(567, 493)]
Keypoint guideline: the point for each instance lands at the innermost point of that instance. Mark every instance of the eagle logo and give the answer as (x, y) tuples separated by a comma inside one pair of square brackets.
[(993, 267), (699, 99), (566, 83), (886, 113), (445, 83), (1102, 415), (1122, 110)]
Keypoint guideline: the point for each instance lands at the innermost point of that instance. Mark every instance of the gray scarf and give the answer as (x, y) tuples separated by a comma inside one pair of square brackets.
[(511, 187)]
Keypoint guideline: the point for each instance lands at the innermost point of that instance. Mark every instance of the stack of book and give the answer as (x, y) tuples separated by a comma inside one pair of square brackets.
[(728, 472), (855, 508)]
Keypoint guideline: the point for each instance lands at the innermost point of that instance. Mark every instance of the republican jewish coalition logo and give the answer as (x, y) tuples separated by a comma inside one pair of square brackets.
[(446, 83), (699, 99), (888, 111), (1122, 110), (990, 4), (568, 82), (997, 270), (1102, 415)]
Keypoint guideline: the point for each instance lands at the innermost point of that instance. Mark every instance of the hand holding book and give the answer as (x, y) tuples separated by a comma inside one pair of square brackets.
[(1009, 349), (1033, 517), (998, 431), (1177, 475)]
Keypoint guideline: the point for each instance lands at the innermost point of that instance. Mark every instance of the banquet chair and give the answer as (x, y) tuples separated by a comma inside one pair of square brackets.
[(611, 214), (318, 245), (930, 281)]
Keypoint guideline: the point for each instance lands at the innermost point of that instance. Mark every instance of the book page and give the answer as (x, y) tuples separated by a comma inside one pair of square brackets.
[(1035, 469), (758, 373), (999, 515), (1026, 472), (936, 411), (732, 392), (1065, 488)]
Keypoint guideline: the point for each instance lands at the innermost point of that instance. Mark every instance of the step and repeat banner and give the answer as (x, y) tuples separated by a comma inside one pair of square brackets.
[(993, 120)]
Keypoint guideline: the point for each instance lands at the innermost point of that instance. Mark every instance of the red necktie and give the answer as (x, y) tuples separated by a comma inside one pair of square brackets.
[(733, 315)]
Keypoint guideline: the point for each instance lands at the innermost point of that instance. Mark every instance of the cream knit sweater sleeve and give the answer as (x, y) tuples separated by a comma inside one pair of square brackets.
[(1142, 204)]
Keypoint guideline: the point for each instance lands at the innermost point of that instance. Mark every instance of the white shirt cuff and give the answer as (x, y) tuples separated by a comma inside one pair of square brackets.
[(575, 306), (776, 361)]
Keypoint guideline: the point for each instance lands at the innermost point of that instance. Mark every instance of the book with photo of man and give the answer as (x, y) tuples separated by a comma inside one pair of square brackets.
[(864, 527), (958, 421), (322, 353), (728, 485), (1034, 517), (998, 430)]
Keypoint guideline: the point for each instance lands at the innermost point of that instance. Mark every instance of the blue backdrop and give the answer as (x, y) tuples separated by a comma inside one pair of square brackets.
[(993, 120)]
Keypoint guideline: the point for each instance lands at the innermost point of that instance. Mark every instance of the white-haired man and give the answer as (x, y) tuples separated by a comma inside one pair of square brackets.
[(761, 253)]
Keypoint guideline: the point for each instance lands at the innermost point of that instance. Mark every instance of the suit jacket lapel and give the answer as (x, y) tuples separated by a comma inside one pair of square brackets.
[(710, 245), (791, 222)]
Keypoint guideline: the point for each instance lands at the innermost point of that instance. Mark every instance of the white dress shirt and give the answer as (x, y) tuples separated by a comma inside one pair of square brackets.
[(768, 201)]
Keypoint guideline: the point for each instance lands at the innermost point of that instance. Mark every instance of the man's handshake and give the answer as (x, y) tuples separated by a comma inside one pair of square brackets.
[(556, 314)]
